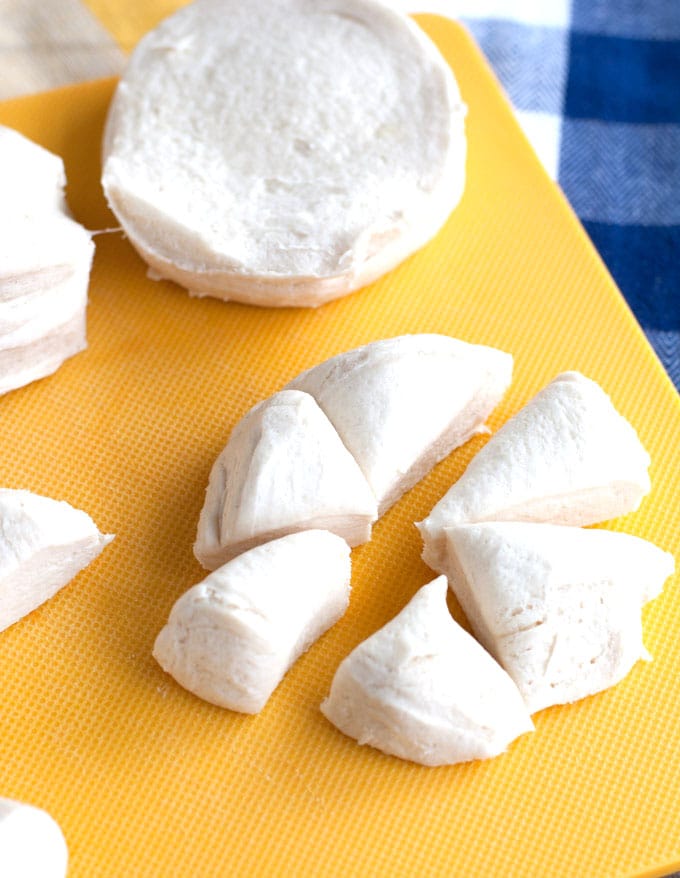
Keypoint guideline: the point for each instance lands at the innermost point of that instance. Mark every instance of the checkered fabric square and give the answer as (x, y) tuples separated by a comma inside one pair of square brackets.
[(596, 87)]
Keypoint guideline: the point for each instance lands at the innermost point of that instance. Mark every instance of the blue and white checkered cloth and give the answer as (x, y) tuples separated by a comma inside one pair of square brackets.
[(596, 87)]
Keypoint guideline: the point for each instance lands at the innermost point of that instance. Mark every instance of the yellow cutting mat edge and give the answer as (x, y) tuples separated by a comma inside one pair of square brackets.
[(145, 779), (128, 20)]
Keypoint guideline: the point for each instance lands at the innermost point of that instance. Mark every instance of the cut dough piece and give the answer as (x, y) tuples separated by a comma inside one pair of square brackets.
[(231, 638), (283, 470), (43, 544), (558, 607), (31, 843), (33, 178), (402, 404), (568, 457), (283, 153), (423, 689), (44, 265)]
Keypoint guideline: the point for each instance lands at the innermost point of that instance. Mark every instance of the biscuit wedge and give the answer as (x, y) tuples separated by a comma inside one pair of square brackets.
[(423, 689), (44, 543), (400, 405), (559, 607), (231, 638), (283, 470), (568, 457)]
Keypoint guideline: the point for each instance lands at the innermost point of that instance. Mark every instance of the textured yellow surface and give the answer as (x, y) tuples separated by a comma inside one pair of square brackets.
[(147, 780)]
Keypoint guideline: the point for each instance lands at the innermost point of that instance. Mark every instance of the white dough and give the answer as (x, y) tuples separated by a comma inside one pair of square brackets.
[(31, 843), (43, 544), (559, 607), (283, 470), (231, 638), (32, 177), (568, 457), (283, 153), (44, 265), (423, 689), (400, 405)]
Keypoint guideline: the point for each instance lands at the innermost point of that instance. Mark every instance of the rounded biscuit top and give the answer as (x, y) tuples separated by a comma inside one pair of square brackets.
[(32, 844), (283, 152)]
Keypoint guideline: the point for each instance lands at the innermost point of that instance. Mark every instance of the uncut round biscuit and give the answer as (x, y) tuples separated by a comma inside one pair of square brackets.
[(283, 152)]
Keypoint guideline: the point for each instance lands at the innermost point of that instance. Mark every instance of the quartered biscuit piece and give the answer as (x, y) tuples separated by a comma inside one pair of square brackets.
[(568, 457), (559, 607), (231, 639), (31, 843), (43, 544), (423, 689), (283, 470), (283, 153), (44, 265), (400, 405)]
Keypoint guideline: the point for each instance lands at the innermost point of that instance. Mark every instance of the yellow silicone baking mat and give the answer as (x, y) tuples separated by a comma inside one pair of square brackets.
[(146, 779)]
